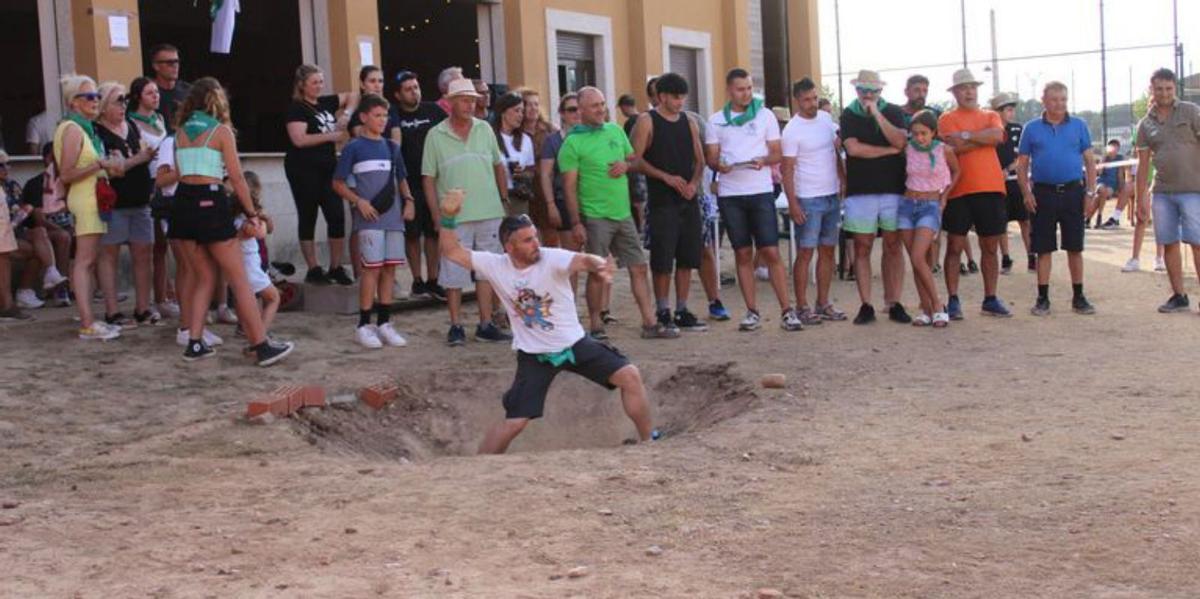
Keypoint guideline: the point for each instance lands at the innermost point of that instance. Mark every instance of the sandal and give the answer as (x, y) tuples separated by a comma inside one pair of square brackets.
[(922, 320), (828, 312), (941, 320)]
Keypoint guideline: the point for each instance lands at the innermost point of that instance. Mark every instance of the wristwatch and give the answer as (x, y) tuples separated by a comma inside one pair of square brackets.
[(964, 135)]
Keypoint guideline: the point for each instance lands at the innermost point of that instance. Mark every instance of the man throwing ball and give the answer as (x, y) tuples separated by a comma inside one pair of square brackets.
[(535, 287)]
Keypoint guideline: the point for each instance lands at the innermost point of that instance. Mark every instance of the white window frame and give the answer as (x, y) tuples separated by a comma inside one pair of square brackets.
[(701, 42), (597, 26)]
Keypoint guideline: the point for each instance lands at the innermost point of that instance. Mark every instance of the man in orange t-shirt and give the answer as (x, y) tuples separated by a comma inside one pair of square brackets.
[(977, 200)]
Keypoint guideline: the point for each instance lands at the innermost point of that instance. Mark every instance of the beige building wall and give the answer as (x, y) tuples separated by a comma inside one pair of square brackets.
[(351, 22), (804, 42), (93, 54)]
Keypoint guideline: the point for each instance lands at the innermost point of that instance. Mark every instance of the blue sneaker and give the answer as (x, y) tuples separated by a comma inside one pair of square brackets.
[(954, 308), (717, 311), (995, 307)]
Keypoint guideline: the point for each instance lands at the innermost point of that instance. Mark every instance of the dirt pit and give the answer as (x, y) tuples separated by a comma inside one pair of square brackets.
[(445, 413)]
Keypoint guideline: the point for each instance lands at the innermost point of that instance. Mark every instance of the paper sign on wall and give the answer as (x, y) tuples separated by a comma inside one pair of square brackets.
[(118, 32), (366, 52)]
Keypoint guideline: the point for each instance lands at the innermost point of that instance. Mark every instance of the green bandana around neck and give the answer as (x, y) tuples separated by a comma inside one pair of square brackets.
[(198, 122), (856, 107), (582, 128), (154, 120), (927, 149), (745, 117), (90, 129)]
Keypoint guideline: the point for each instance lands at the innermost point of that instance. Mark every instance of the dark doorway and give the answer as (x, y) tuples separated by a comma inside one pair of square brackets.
[(257, 74), (22, 94), (426, 36)]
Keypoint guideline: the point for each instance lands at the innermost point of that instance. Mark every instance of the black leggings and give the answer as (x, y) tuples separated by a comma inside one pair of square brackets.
[(312, 189)]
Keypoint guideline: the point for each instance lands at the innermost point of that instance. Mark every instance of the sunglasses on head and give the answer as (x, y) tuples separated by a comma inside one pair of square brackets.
[(404, 75), (89, 96)]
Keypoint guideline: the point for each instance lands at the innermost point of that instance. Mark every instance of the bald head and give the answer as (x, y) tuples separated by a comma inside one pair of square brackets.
[(592, 108)]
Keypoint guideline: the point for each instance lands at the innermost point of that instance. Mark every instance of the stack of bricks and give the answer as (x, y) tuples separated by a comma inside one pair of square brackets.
[(379, 395), (287, 399)]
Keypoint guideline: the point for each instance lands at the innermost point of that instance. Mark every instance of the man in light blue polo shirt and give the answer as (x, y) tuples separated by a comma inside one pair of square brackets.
[(1058, 148)]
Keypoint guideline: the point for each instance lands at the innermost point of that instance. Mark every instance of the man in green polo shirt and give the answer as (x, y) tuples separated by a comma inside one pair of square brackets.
[(461, 154), (594, 160)]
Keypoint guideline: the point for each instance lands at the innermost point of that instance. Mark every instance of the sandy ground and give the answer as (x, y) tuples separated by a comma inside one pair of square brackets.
[(1052, 457)]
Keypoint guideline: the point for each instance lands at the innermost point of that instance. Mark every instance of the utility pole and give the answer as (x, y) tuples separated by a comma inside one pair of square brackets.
[(995, 61), (1178, 48), (1103, 81), (837, 34), (962, 5)]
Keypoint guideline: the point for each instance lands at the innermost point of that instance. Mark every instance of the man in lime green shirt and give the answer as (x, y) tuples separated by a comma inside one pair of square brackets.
[(594, 160), (461, 153)]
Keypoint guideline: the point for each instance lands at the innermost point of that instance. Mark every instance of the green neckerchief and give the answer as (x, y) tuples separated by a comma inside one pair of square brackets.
[(154, 120), (856, 107), (582, 128), (198, 122), (557, 358), (89, 129), (745, 117), (926, 149)]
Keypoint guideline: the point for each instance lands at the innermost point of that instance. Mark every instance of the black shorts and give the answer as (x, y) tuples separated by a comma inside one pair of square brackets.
[(1058, 207), (595, 360), (678, 237), (422, 223), (1014, 202), (201, 213), (983, 211), (560, 204)]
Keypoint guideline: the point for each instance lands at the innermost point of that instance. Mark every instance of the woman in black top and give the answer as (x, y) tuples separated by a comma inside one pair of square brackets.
[(314, 130), (130, 221)]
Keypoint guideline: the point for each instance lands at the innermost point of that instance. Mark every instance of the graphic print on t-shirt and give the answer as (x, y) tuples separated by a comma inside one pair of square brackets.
[(325, 121), (534, 309)]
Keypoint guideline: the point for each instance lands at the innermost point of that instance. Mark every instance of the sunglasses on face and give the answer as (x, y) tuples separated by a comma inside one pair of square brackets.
[(866, 90), (121, 99), (3, 165), (169, 62), (571, 109), (89, 96)]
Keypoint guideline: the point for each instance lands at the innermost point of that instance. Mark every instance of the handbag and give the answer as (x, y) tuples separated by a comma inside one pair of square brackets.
[(106, 198)]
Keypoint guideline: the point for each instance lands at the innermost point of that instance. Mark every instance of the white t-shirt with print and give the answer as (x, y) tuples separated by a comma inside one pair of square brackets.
[(539, 299), (741, 144), (811, 143), (165, 157)]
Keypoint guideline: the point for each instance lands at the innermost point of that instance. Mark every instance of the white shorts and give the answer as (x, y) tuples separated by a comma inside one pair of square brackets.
[(255, 274), (480, 236), (381, 248)]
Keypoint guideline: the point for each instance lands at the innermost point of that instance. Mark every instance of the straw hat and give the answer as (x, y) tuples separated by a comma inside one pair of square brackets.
[(963, 77), (1003, 99), (868, 79), (461, 87)]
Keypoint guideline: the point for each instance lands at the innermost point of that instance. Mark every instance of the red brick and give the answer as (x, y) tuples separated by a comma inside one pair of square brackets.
[(276, 402), (379, 395), (314, 396), (295, 395)]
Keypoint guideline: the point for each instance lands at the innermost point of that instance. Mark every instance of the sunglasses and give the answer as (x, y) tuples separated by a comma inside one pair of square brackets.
[(405, 75), (571, 109), (3, 165), (89, 96), (121, 99), (866, 90), (170, 62)]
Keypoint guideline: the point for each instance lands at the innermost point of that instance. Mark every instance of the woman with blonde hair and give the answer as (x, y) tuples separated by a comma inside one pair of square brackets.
[(202, 219), (83, 169), (130, 221), (538, 128), (314, 129)]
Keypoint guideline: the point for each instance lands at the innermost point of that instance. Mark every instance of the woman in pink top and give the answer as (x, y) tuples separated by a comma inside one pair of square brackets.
[(932, 171)]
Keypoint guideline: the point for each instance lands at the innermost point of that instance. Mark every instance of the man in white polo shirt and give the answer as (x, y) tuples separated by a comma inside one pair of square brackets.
[(740, 142)]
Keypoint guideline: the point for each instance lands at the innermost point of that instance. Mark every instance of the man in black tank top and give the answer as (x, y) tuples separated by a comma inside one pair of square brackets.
[(667, 146)]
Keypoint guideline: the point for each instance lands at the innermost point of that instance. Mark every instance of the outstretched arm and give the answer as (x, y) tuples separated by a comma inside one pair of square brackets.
[(448, 244), (602, 267)]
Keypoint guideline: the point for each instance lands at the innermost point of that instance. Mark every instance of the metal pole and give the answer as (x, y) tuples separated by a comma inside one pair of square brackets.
[(962, 5), (1103, 82), (837, 34), (1178, 50), (995, 61)]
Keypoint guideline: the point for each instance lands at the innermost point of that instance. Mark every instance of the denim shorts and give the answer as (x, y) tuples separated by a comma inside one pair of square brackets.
[(866, 214), (750, 219), (129, 225), (919, 214), (1176, 218), (822, 221)]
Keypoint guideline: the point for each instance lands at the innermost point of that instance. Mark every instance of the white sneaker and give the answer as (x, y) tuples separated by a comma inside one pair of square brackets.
[(28, 300), (1159, 265), (761, 273), (181, 337), (390, 336), (751, 322), (169, 309), (52, 279), (226, 316), (1132, 266), (98, 332), (368, 336)]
